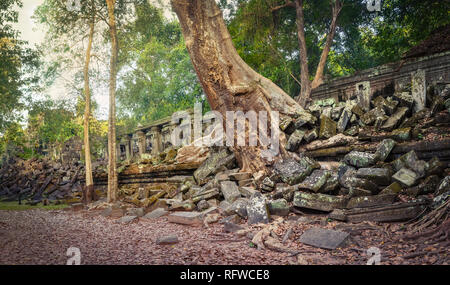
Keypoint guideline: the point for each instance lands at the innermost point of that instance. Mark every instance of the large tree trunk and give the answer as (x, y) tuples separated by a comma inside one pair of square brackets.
[(228, 82), (305, 92), (112, 167), (88, 193)]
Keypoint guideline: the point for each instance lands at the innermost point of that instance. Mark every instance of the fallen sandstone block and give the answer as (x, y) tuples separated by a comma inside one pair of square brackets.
[(240, 176), (279, 207), (292, 172), (359, 159), (390, 213), (380, 176), (257, 210), (406, 177), (230, 191), (321, 202), (167, 240), (370, 201), (186, 218), (393, 188), (240, 207), (159, 212), (315, 181), (384, 149), (127, 219), (324, 238)]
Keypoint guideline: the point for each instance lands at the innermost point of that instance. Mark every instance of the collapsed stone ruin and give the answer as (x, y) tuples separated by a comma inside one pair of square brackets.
[(374, 146), (386, 163)]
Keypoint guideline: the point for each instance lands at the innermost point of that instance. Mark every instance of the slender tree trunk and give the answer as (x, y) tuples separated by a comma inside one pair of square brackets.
[(89, 190), (228, 82), (318, 79), (305, 92), (112, 168)]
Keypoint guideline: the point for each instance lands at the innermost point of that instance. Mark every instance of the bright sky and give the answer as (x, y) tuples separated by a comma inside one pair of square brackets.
[(30, 31), (35, 34)]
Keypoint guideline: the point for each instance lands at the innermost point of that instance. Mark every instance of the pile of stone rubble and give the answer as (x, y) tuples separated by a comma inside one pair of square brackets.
[(382, 160), (41, 180)]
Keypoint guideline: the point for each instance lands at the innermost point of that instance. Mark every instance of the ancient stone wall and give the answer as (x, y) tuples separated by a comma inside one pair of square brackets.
[(151, 139), (387, 79)]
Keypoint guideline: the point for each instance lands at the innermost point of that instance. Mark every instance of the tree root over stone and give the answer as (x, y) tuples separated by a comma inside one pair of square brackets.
[(433, 228)]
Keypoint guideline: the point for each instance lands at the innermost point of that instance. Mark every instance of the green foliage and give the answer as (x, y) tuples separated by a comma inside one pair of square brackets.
[(401, 25), (14, 142), (51, 123), (156, 76), (16, 63), (267, 40), (156, 71)]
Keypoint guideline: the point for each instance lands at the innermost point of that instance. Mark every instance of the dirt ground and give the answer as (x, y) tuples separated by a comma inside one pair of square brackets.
[(43, 237)]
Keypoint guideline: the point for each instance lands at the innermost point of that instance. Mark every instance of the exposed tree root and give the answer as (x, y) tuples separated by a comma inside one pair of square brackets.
[(438, 217), (433, 228)]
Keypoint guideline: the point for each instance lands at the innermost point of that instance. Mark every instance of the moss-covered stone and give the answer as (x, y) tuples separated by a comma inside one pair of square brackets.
[(344, 118), (370, 117), (315, 181), (359, 159), (279, 207), (395, 119), (257, 210), (393, 188), (380, 176), (295, 140), (327, 127), (321, 202), (384, 149), (406, 177), (370, 201), (402, 134), (292, 172), (404, 160), (216, 161)]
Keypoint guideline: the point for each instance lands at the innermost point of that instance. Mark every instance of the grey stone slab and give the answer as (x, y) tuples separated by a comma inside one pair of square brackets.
[(370, 201), (384, 149), (240, 207), (240, 176), (186, 218), (406, 177), (230, 191), (279, 207), (295, 140), (231, 227), (419, 89), (159, 212), (359, 159), (139, 212), (257, 210), (324, 238), (247, 191), (380, 176), (167, 240), (321, 202), (127, 219), (315, 181)]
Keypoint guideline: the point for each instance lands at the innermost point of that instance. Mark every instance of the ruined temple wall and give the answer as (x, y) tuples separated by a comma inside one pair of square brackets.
[(388, 78)]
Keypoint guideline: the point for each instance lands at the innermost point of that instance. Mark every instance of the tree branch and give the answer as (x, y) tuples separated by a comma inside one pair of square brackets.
[(318, 78), (287, 4)]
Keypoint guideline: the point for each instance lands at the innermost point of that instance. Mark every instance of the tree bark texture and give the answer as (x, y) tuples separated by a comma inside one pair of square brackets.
[(88, 193), (228, 82), (112, 156)]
